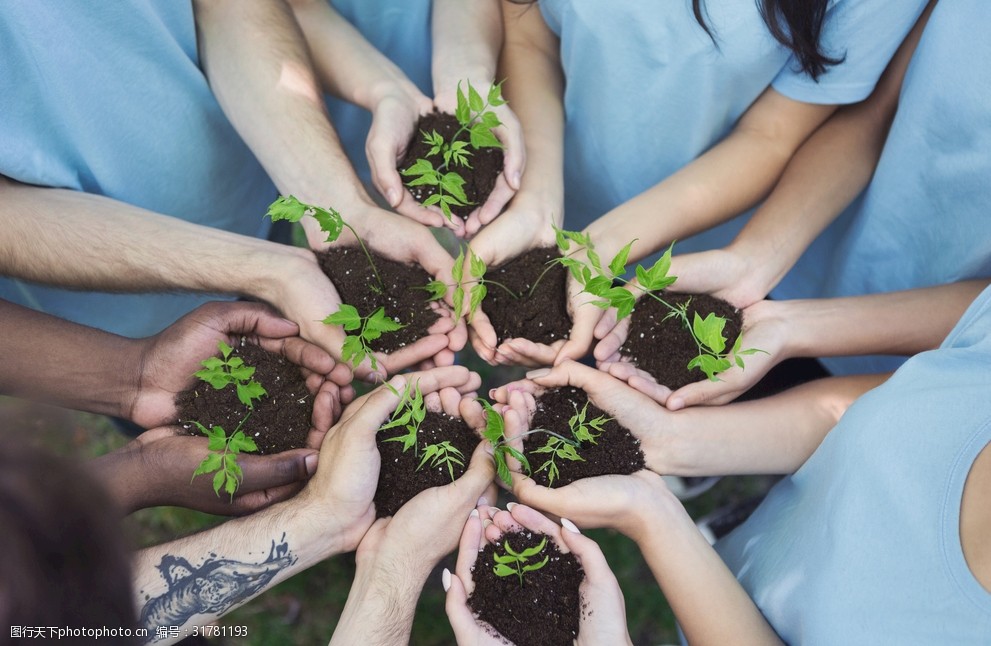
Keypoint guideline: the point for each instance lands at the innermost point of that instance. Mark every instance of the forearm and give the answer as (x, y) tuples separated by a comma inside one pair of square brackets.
[(466, 39), (898, 323), (727, 180), (709, 603), (198, 579), (826, 174), (66, 364), (112, 246), (535, 90), (775, 434), (381, 604), (348, 66), (259, 69)]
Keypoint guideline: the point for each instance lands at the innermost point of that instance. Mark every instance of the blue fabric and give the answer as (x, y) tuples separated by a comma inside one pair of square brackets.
[(108, 98), (925, 219), (647, 90), (861, 545), (400, 29)]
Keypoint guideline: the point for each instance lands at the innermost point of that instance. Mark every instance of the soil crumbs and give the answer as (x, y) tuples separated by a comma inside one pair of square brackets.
[(541, 317)]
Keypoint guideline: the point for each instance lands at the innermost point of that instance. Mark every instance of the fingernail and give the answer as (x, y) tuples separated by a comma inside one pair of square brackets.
[(485, 523), (490, 449), (392, 196), (473, 514), (516, 181), (492, 393), (570, 526), (445, 579), (510, 505), (311, 464), (540, 372), (676, 404), (482, 501)]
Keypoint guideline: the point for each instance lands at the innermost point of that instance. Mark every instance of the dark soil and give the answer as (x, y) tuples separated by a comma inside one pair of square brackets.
[(541, 317), (480, 179), (545, 610), (399, 478), (280, 420), (348, 269), (664, 347), (616, 451)]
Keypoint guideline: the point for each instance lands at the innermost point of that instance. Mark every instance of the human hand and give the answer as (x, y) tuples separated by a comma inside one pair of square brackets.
[(169, 359), (394, 118), (605, 623), (510, 134), (526, 225), (764, 328), (155, 468), (723, 273), (343, 488), (643, 417)]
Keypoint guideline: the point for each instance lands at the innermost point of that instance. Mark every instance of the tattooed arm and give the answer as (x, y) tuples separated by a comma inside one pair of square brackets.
[(196, 580)]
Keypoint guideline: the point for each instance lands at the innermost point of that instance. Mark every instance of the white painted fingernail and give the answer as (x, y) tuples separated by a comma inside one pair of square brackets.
[(445, 579), (482, 501), (392, 196), (570, 526), (510, 505), (540, 372), (473, 514)]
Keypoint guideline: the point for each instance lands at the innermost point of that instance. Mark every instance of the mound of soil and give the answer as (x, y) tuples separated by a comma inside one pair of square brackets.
[(542, 316), (402, 296), (280, 420), (663, 347), (544, 610), (400, 479), (480, 178), (615, 451)]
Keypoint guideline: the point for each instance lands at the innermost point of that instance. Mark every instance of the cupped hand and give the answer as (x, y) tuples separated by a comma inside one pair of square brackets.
[(155, 468), (526, 225), (604, 622), (394, 119), (510, 135), (723, 273), (169, 359), (343, 487)]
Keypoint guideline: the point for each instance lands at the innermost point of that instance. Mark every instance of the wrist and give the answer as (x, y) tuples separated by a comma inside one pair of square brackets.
[(446, 83), (265, 272), (655, 517)]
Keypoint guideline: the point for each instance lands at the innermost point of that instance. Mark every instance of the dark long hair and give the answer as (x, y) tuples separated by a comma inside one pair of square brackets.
[(796, 24)]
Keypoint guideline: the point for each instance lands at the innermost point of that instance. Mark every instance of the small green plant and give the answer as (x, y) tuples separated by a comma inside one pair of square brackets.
[(222, 371), (479, 285), (355, 348), (476, 123), (495, 434), (409, 414), (563, 448), (223, 459), (707, 332), (516, 563)]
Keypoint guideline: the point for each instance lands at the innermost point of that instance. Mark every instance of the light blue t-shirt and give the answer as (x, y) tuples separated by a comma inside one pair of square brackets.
[(647, 90), (862, 544), (400, 30), (925, 219), (108, 98)]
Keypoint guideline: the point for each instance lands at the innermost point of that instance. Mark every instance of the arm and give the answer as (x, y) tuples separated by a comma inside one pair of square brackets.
[(822, 179), (200, 578)]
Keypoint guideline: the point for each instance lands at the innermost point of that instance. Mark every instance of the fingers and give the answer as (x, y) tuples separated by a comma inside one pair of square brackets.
[(523, 352), (588, 553), (468, 547), (585, 317), (639, 380), (502, 393), (327, 406), (501, 193), (612, 339), (246, 318), (534, 520), (456, 605), (450, 401), (731, 385), (301, 352), (426, 348), (483, 336), (270, 471), (477, 478)]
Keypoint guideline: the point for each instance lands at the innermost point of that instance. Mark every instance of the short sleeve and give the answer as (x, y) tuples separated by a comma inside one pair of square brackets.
[(865, 35)]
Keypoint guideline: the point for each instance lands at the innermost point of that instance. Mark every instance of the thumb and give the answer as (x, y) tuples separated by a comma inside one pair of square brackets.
[(587, 551), (456, 606)]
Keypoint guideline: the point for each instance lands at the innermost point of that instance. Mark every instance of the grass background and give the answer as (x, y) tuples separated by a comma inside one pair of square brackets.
[(304, 609)]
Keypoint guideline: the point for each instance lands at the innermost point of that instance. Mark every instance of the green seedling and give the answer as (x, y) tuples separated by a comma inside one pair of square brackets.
[(222, 371), (371, 327), (476, 123), (355, 348), (597, 280), (516, 563), (562, 448), (409, 414), (223, 460), (495, 434)]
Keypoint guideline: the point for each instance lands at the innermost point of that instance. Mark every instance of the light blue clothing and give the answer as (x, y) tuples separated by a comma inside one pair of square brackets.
[(108, 98), (647, 90), (400, 29), (925, 219), (862, 545)]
